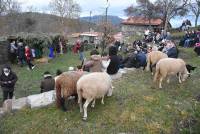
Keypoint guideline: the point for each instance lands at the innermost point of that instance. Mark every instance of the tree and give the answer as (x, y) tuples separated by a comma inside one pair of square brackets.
[(2, 7), (10, 10), (168, 9), (9, 6), (65, 9), (144, 8), (163, 9), (195, 8)]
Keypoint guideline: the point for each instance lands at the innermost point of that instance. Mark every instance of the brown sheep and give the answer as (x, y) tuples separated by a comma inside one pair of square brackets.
[(152, 58), (65, 85)]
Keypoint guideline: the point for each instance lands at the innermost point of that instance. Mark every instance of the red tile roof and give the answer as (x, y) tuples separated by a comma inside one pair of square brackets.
[(141, 21)]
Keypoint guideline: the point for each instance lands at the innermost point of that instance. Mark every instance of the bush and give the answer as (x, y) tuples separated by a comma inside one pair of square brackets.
[(178, 35), (39, 41)]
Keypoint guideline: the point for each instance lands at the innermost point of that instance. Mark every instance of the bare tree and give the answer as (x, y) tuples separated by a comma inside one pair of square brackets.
[(65, 9), (163, 9), (143, 8), (2, 7), (195, 8), (9, 6), (10, 10), (168, 9), (13, 6)]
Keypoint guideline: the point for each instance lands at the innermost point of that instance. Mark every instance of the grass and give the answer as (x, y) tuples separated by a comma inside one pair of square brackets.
[(29, 81), (135, 106)]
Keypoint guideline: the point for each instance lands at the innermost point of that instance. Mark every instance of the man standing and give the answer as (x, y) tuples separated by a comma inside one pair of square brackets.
[(81, 51), (7, 81)]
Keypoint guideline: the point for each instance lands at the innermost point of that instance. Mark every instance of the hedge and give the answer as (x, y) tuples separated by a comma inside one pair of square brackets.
[(41, 41)]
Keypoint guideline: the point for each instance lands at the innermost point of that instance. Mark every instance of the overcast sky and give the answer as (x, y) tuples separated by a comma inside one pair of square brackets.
[(97, 7)]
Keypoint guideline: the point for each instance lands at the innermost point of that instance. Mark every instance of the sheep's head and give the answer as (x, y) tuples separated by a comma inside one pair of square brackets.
[(185, 75)]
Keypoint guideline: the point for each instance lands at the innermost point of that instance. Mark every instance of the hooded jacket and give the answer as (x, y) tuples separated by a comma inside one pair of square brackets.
[(47, 84), (113, 67), (97, 66), (8, 81)]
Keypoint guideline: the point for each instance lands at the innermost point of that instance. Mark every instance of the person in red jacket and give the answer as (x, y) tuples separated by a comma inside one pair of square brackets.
[(28, 57)]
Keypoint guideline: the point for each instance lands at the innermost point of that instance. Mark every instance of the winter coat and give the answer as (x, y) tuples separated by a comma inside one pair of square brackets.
[(28, 53), (47, 84), (96, 66), (172, 52), (130, 61), (8, 82), (113, 67), (21, 51), (141, 59)]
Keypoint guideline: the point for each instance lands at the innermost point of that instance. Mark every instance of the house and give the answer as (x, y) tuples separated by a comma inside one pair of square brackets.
[(90, 37), (137, 25)]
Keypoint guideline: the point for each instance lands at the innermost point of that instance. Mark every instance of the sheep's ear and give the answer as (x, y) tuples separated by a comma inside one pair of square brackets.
[(194, 68)]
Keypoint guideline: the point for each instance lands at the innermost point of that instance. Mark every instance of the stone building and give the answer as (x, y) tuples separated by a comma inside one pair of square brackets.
[(137, 25)]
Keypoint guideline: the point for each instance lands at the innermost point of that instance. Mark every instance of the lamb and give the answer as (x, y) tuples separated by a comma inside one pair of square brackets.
[(152, 58), (170, 66), (65, 85), (91, 87)]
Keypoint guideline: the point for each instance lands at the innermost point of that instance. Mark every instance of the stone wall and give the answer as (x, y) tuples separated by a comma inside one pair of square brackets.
[(128, 30), (3, 52)]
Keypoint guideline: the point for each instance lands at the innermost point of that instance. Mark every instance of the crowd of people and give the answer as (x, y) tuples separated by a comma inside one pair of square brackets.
[(186, 24), (156, 37), (109, 62), (191, 39), (21, 53)]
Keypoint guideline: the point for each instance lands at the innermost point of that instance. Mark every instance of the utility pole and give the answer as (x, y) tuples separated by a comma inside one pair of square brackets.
[(105, 29), (90, 21)]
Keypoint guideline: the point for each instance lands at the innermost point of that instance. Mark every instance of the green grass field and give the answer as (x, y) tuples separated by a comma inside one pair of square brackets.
[(135, 106)]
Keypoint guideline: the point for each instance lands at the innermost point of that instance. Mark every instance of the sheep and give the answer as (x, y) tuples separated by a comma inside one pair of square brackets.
[(42, 60), (91, 87), (170, 66), (152, 58), (65, 85)]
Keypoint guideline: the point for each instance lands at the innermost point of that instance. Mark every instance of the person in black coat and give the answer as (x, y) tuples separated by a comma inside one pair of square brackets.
[(114, 65), (21, 52), (7, 81)]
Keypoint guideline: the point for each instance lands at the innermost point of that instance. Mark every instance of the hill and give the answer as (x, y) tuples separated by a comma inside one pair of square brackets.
[(115, 20), (39, 22), (135, 107)]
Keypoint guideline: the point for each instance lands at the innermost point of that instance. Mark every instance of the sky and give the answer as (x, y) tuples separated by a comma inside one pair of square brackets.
[(116, 8)]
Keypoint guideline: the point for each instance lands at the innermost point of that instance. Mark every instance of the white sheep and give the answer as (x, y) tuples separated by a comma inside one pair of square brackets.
[(170, 66), (91, 87)]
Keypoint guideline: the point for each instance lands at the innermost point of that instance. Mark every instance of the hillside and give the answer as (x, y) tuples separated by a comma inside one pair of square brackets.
[(115, 20), (39, 22), (135, 106)]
